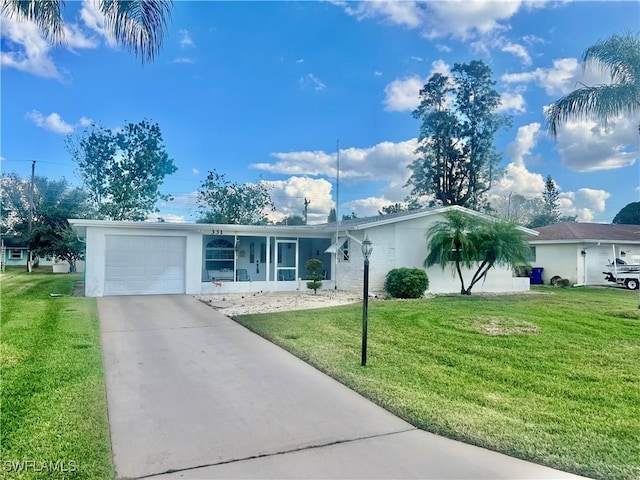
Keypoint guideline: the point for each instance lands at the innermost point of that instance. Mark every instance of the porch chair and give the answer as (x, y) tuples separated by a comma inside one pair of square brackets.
[(242, 276)]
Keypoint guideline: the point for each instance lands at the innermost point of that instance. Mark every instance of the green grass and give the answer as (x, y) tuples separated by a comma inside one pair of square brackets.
[(53, 402), (552, 377)]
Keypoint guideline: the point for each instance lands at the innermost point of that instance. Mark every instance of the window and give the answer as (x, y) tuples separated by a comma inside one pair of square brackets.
[(15, 254), (219, 255), (344, 250), (532, 256)]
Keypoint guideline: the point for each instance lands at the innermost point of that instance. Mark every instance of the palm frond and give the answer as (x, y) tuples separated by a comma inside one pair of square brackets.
[(138, 25), (619, 55), (602, 103), (46, 14)]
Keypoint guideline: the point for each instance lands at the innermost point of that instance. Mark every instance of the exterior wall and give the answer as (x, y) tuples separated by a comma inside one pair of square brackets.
[(567, 261), (403, 244), (559, 259)]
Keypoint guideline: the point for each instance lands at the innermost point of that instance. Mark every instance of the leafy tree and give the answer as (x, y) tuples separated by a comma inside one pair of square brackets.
[(54, 201), (516, 208), (122, 171), (332, 216), (223, 201), (629, 214), (550, 210), (393, 208), (314, 266), (350, 216), (457, 158), (468, 241), (292, 220), (137, 25), (620, 56)]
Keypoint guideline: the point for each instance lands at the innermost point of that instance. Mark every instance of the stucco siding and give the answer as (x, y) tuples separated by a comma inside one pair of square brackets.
[(558, 260)]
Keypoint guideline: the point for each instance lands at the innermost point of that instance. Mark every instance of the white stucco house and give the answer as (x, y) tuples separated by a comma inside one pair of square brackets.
[(580, 252), (133, 258)]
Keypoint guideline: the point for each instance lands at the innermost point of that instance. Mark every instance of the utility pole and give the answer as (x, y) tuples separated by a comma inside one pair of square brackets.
[(306, 209), (335, 284), (33, 174)]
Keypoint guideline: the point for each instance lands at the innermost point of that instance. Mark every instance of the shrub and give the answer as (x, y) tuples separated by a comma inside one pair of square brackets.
[(406, 282), (314, 266)]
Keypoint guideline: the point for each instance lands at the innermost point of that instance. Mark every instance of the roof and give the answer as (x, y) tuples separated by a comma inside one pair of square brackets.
[(13, 241), (377, 220), (325, 229), (573, 231)]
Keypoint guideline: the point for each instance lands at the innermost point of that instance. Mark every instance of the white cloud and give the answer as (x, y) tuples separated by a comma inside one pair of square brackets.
[(519, 51), (457, 18), (185, 39), (417, 59), (93, 18), (300, 60), (288, 197), (511, 102), (517, 178), (52, 122), (463, 18), (316, 82), (74, 37), (584, 203), (167, 217), (565, 76), (587, 146), (195, 171), (443, 48), (385, 160), (366, 207), (183, 60), (404, 94), (28, 50), (377, 74)]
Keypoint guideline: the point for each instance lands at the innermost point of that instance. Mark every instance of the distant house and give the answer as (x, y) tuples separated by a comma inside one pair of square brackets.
[(580, 252), (14, 252), (133, 258)]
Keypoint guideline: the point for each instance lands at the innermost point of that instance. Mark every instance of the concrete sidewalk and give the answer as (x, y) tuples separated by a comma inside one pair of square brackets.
[(192, 394)]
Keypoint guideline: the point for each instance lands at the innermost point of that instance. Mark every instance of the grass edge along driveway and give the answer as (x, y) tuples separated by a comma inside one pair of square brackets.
[(550, 377), (54, 410)]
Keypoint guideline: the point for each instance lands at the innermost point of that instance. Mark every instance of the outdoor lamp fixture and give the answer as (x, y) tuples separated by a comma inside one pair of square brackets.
[(367, 248)]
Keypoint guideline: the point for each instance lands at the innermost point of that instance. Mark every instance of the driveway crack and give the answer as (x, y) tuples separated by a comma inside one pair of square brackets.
[(273, 454)]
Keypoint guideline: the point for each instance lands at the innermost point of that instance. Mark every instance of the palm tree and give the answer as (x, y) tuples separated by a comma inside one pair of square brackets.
[(453, 240), (137, 25), (467, 241), (619, 55), (500, 243)]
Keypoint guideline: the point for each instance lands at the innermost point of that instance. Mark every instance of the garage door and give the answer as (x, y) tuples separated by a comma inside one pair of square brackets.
[(597, 259), (144, 265)]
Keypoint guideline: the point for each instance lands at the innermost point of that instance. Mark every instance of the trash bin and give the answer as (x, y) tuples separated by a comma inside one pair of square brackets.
[(536, 276)]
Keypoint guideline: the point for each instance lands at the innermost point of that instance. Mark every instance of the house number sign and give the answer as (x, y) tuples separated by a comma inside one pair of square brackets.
[(217, 232)]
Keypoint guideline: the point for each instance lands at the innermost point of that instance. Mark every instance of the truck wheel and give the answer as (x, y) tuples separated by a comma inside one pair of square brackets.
[(631, 283), (554, 280)]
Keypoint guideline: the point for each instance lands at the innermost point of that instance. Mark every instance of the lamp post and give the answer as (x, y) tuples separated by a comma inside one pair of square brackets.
[(367, 248)]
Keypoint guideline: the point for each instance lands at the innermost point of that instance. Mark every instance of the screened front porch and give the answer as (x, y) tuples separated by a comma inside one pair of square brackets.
[(245, 263)]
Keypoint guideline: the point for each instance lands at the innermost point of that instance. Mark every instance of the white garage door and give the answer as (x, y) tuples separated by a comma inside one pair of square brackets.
[(597, 259), (144, 265)]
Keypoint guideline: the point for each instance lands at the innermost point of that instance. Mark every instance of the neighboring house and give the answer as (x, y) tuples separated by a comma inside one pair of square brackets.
[(129, 258), (15, 253), (580, 252)]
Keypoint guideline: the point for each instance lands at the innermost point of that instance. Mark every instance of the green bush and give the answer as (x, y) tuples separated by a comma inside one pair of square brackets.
[(406, 282), (314, 266)]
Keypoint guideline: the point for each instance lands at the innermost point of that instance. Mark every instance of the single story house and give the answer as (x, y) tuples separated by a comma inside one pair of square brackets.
[(580, 252), (133, 258), (14, 252)]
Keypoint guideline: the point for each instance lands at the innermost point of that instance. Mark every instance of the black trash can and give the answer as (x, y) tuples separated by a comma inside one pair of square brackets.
[(536, 276)]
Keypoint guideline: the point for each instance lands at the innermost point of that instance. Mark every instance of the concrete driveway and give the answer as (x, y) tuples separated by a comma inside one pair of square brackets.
[(192, 394)]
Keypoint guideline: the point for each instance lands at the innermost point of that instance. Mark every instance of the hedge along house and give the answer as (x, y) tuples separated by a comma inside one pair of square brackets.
[(135, 258)]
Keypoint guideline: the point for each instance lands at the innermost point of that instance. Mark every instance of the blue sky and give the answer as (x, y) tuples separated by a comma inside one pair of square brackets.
[(266, 89)]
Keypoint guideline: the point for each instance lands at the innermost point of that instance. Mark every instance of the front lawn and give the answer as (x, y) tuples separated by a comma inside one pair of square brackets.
[(552, 376), (54, 411)]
